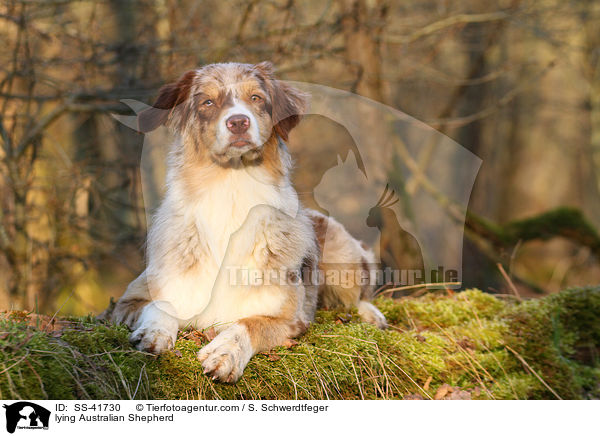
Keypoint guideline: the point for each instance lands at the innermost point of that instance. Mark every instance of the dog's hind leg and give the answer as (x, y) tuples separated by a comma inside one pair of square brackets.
[(129, 307), (348, 268), (369, 313)]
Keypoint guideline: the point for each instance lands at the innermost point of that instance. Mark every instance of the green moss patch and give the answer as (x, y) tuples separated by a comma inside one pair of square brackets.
[(463, 345)]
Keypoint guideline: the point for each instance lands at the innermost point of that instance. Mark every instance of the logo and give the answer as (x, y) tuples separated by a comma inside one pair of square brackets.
[(394, 183), (26, 415)]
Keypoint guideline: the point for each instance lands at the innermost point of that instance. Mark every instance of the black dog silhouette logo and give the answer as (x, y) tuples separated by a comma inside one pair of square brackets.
[(26, 415)]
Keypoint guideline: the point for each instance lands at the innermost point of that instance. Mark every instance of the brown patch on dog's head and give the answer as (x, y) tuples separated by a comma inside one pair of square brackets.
[(171, 97), (288, 104), (202, 105)]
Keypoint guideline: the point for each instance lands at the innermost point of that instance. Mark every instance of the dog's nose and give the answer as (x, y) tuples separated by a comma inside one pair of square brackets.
[(238, 123)]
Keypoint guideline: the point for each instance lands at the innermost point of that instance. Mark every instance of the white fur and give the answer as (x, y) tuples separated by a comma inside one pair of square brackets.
[(248, 248), (372, 315), (233, 217), (238, 108), (155, 329), (226, 356)]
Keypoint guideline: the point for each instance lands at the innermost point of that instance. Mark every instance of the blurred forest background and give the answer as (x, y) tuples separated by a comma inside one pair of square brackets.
[(517, 82)]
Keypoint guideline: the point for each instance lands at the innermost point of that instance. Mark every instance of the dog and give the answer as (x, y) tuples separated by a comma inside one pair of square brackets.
[(229, 212)]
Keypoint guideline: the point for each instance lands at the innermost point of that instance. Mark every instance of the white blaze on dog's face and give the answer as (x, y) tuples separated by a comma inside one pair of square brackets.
[(233, 112), (230, 110)]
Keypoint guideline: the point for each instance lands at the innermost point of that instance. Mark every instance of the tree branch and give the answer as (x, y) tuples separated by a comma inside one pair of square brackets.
[(444, 23)]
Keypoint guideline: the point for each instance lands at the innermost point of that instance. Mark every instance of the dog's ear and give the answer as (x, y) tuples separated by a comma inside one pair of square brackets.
[(288, 104), (169, 97)]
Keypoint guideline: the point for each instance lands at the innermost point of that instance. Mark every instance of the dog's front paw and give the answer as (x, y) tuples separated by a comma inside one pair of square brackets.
[(226, 356), (372, 315), (153, 338)]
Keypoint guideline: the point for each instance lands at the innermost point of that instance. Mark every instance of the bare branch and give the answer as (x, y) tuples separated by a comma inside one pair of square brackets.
[(443, 24)]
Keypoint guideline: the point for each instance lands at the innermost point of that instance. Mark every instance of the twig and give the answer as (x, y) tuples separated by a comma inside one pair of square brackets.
[(357, 381), (16, 363), (409, 377), (513, 256), (39, 127), (518, 356), (139, 382), (444, 23), (511, 285), (59, 309), (422, 285)]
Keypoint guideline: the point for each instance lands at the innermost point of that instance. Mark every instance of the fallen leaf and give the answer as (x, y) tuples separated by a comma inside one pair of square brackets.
[(274, 357), (177, 353), (210, 333), (195, 336), (412, 397), (466, 343), (426, 385), (420, 338), (289, 343), (457, 394), (442, 391), (51, 324), (344, 318)]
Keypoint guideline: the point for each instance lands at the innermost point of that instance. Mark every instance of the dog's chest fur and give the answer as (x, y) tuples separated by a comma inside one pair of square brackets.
[(235, 221), (226, 204)]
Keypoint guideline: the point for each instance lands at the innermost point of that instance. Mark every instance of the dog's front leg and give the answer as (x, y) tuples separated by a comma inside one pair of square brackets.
[(155, 330), (226, 356)]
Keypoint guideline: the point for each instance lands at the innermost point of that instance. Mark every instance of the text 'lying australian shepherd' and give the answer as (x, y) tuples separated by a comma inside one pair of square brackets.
[(230, 205)]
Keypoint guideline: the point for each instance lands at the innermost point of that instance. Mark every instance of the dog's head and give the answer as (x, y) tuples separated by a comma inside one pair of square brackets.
[(229, 110)]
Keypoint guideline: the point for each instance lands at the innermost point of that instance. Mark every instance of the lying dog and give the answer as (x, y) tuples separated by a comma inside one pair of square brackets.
[(230, 207)]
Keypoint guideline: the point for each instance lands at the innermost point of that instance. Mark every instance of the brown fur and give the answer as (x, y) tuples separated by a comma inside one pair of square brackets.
[(339, 251), (288, 102), (128, 307), (170, 96), (267, 332)]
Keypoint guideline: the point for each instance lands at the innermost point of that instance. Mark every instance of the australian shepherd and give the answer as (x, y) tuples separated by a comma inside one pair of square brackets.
[(230, 220)]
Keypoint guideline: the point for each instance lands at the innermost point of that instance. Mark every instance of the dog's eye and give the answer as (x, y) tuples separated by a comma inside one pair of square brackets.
[(256, 97), (207, 103)]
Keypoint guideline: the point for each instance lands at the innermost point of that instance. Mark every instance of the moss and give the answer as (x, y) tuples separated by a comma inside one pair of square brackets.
[(27, 372), (561, 334), (563, 221), (435, 310), (566, 222), (489, 347), (83, 360)]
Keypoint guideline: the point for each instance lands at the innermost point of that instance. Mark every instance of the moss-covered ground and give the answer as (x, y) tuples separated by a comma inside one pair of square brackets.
[(459, 345)]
